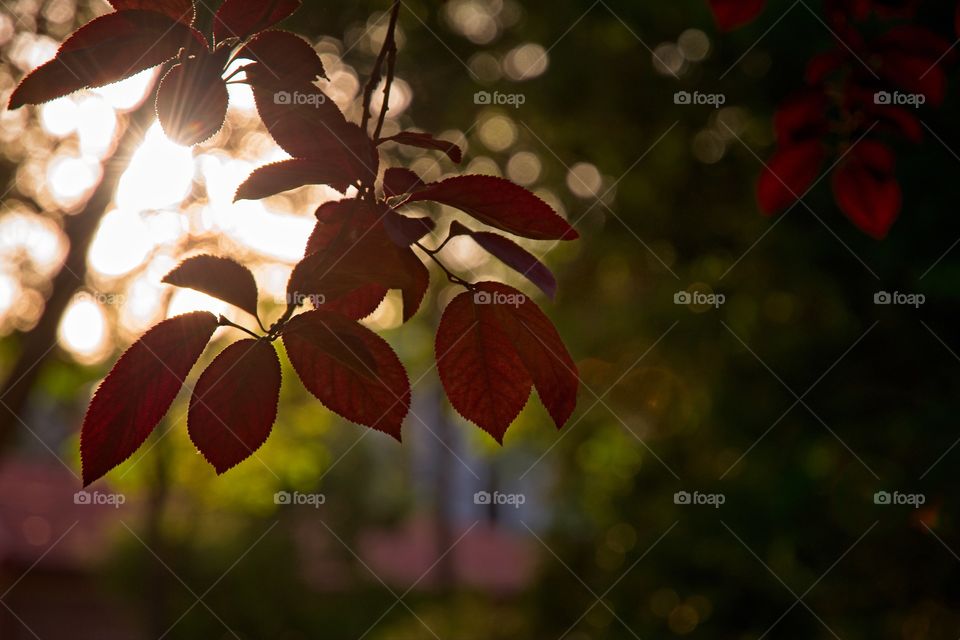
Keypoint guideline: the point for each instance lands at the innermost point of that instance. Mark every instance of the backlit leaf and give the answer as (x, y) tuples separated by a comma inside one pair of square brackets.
[(221, 278), (234, 403), (350, 369), (139, 390), (105, 50)]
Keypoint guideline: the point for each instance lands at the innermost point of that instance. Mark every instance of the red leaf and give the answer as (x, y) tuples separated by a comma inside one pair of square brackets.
[(192, 100), (788, 175), (280, 57), (293, 174), (140, 388), (337, 275), (243, 18), (427, 141), (501, 204), (221, 278), (492, 346), (731, 14), (399, 181), (867, 190), (405, 231), (234, 403), (360, 303), (350, 369), (353, 250), (108, 49), (513, 255), (180, 10)]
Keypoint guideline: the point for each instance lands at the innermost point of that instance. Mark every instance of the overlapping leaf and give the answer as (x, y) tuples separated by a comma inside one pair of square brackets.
[(192, 100), (789, 174), (493, 345), (139, 390), (867, 190)]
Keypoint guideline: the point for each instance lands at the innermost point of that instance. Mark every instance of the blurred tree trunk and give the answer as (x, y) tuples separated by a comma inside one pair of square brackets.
[(35, 345)]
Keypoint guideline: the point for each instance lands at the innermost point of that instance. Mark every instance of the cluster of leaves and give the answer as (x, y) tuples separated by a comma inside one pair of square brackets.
[(493, 346), (841, 120)]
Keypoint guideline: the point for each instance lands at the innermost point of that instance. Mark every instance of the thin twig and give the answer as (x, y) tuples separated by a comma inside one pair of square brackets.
[(377, 73)]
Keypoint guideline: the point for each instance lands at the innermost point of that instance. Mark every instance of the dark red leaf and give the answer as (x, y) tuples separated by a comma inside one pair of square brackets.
[(823, 65), (350, 369), (405, 231), (399, 181), (493, 345), (281, 57), (731, 14), (293, 174), (427, 141), (110, 48), (243, 18), (221, 278), (140, 388), (788, 175), (867, 190), (306, 123), (513, 255), (501, 204), (192, 100), (801, 117), (180, 10), (234, 403)]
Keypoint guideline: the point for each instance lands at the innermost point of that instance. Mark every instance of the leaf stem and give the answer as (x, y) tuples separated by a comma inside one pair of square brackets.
[(452, 277), (223, 322), (389, 44)]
